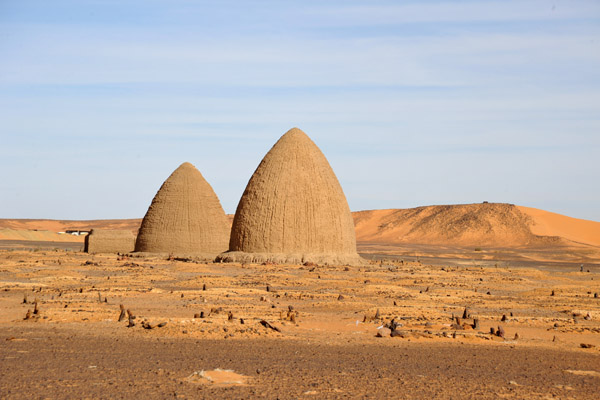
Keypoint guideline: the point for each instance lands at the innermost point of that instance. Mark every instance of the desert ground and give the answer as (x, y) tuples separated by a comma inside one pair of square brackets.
[(231, 330)]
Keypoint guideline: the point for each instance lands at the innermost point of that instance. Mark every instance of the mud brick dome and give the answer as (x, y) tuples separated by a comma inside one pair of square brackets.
[(185, 217), (293, 209)]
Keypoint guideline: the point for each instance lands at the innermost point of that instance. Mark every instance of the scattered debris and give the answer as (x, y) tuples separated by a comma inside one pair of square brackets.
[(148, 325), (91, 263), (131, 318), (122, 315), (466, 314), (500, 332), (268, 325)]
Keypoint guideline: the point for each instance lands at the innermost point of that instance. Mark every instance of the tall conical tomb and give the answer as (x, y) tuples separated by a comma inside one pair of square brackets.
[(293, 210), (185, 217)]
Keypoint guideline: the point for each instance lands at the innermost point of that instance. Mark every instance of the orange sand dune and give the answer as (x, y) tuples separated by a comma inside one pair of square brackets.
[(547, 223), (37, 235), (62, 225), (489, 224)]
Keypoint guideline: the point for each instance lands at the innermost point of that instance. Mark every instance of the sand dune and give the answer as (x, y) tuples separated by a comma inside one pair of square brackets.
[(547, 223), (488, 224), (37, 235), (63, 225)]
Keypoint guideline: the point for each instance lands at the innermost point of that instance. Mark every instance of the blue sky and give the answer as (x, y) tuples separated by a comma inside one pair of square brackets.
[(413, 102)]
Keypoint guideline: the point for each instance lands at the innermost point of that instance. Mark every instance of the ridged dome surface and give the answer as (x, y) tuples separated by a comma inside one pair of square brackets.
[(185, 217), (293, 209)]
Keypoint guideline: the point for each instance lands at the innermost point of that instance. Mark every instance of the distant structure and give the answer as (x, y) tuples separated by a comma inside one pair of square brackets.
[(109, 241), (185, 217), (75, 232), (293, 210)]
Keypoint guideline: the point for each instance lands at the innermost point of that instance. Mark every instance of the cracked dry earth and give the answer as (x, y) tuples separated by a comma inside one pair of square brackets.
[(286, 331)]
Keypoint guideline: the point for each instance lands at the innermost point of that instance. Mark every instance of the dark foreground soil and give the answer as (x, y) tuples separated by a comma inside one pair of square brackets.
[(59, 362)]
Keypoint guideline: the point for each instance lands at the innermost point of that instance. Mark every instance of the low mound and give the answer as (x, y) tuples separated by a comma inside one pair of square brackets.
[(487, 224)]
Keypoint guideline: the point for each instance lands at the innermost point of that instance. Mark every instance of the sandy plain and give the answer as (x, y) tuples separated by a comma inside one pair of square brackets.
[(326, 320)]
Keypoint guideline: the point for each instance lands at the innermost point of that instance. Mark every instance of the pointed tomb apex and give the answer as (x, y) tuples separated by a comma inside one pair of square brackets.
[(293, 210), (185, 217)]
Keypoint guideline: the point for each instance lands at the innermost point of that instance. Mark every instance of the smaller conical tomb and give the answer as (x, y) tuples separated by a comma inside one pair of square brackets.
[(185, 217), (293, 210)]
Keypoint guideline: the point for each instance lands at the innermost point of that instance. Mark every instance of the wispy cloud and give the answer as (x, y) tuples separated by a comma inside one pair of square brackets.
[(412, 102)]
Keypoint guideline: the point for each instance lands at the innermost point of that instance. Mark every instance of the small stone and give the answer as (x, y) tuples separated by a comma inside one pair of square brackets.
[(384, 332), (400, 334), (340, 297), (586, 345), (503, 318)]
